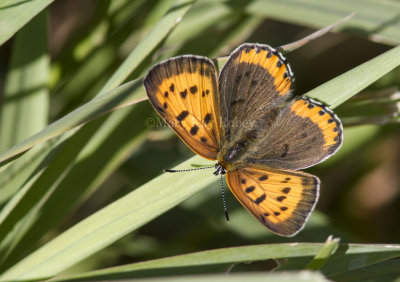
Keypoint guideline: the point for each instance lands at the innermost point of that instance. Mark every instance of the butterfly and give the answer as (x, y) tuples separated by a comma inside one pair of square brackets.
[(248, 119)]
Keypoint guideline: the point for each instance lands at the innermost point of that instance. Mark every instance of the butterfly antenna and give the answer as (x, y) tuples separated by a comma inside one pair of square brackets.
[(223, 200), (185, 170)]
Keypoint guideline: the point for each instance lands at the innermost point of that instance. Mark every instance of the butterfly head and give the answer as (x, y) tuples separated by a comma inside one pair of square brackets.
[(219, 169)]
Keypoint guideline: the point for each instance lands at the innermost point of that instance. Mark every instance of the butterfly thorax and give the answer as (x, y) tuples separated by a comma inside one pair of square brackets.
[(232, 153)]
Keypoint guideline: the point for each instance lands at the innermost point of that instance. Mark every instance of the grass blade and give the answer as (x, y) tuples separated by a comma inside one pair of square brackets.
[(25, 107), (323, 255), (128, 94), (228, 256), (376, 20), (149, 43), (99, 230), (14, 15), (345, 86)]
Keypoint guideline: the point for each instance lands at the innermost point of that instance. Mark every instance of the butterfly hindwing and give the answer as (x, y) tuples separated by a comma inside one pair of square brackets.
[(183, 90), (255, 78), (281, 200), (303, 134)]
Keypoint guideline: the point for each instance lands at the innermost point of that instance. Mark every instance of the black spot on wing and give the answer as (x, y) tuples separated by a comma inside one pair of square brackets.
[(264, 177), (250, 189), (281, 198), (182, 115), (183, 93), (194, 130), (260, 199), (193, 89), (207, 118)]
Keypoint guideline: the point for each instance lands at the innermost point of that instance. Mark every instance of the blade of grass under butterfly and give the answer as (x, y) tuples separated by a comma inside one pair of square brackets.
[(356, 256), (110, 224), (239, 277)]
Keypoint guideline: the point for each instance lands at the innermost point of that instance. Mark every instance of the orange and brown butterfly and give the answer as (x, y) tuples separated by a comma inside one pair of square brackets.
[(248, 120)]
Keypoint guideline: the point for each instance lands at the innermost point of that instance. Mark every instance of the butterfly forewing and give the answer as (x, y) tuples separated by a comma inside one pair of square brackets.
[(304, 133), (183, 91), (281, 200), (255, 78)]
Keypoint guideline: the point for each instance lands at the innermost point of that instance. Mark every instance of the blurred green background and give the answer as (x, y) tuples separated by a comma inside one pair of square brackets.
[(63, 57)]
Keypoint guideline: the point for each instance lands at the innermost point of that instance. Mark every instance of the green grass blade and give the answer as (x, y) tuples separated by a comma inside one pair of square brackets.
[(21, 172), (366, 254), (149, 43), (345, 86), (109, 224), (240, 277), (25, 107), (61, 190), (15, 14), (344, 260), (128, 94), (323, 255), (384, 271), (374, 19)]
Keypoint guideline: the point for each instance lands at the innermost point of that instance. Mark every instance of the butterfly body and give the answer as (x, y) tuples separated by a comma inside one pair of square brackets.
[(248, 121)]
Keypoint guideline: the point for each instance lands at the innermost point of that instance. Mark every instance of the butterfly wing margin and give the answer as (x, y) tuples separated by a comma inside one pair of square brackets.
[(183, 90), (255, 78), (280, 200), (304, 133)]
